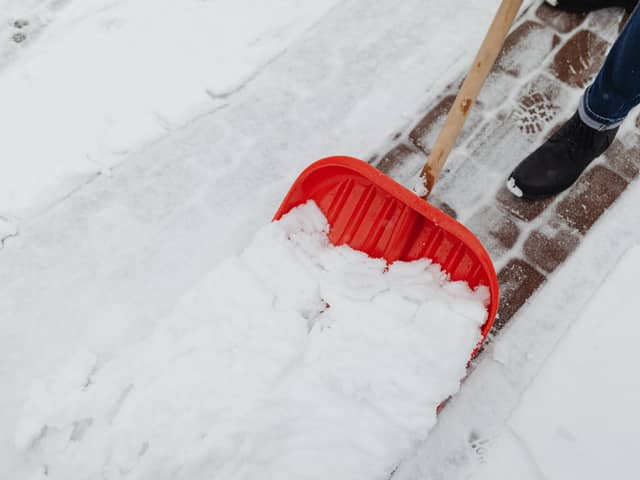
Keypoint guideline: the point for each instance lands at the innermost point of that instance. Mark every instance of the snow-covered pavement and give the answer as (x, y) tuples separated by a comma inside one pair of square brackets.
[(118, 202), (99, 79)]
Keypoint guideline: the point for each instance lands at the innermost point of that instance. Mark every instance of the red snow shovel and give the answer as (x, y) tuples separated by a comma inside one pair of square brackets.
[(371, 212)]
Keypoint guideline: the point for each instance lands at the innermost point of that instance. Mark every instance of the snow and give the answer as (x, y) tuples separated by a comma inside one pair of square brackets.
[(127, 183), (8, 228), (97, 82), (295, 359), (513, 188), (579, 418), (420, 187), (474, 435), (102, 78)]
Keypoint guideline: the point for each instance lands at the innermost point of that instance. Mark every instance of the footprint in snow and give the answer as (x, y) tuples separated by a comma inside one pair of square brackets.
[(479, 446), (19, 37), (19, 24), (534, 112)]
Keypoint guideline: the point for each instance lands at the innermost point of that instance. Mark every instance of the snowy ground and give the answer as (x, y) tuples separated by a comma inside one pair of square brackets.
[(579, 416), (515, 416), (93, 80), (143, 149)]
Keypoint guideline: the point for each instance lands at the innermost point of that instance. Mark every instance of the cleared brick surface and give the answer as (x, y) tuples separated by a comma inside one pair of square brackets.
[(526, 210), (580, 59), (590, 197), (518, 281), (549, 246)]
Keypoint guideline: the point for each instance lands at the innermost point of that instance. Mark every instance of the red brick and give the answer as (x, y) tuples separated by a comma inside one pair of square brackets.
[(394, 158), (563, 22), (526, 48), (590, 197), (550, 245), (580, 59), (518, 281), (526, 210), (495, 230), (623, 156)]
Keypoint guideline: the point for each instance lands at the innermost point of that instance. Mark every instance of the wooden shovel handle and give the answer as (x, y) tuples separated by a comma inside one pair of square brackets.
[(485, 58)]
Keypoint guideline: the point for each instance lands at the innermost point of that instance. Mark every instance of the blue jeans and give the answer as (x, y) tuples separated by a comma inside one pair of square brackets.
[(616, 89)]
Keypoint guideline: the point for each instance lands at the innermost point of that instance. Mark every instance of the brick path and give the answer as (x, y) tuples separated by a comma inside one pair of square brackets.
[(548, 59)]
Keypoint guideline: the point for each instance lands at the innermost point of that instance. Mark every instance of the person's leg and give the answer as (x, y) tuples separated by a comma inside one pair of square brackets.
[(616, 89), (558, 163)]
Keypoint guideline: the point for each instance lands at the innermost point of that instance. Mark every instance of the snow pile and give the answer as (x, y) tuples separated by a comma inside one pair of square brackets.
[(295, 359)]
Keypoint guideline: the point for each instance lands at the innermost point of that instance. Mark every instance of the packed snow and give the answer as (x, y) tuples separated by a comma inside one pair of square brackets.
[(295, 359)]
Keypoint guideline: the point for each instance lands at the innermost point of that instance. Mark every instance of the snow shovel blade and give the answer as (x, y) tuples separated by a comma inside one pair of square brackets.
[(370, 212)]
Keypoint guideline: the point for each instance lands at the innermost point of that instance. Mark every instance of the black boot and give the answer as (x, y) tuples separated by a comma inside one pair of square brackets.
[(559, 162), (589, 5)]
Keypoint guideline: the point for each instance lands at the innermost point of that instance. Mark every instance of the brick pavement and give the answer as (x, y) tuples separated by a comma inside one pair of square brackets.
[(549, 57)]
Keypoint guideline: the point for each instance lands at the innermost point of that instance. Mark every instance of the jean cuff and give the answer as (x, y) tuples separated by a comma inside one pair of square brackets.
[(592, 119)]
